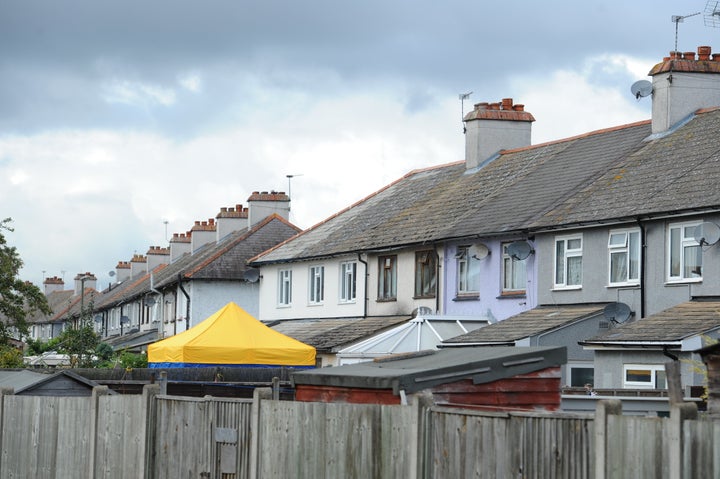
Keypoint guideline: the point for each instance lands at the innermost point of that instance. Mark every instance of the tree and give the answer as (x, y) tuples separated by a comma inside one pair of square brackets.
[(18, 298)]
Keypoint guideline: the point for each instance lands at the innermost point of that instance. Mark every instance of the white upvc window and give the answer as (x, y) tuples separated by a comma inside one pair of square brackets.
[(468, 274), (568, 261), (684, 253), (514, 273), (644, 376), (285, 287), (316, 284), (580, 374), (624, 257), (348, 275)]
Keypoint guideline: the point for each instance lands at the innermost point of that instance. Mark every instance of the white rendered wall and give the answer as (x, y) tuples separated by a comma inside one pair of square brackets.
[(688, 92)]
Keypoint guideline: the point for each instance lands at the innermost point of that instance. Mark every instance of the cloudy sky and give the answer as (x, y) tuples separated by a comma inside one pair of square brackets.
[(116, 117)]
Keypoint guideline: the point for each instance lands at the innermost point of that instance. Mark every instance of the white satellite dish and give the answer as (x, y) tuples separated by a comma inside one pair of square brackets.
[(641, 89), (251, 275), (479, 251), (707, 234), (519, 250)]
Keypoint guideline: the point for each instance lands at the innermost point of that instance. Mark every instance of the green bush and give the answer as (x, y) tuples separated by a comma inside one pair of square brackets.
[(11, 357)]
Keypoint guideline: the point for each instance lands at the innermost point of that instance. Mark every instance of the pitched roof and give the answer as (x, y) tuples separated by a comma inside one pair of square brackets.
[(58, 301), (328, 335), (503, 196), (667, 327), (674, 173), (528, 324)]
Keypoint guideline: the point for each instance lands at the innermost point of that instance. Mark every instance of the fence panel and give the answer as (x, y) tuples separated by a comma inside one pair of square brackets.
[(45, 437), (230, 444), (637, 447), (701, 448), (120, 437), (320, 440)]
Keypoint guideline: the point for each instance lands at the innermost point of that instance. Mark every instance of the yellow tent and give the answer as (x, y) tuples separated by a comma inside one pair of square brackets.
[(230, 337)]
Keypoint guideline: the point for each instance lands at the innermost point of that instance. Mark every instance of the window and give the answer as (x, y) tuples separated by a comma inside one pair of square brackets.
[(643, 376), (684, 253), (316, 284), (568, 262), (285, 287), (348, 273), (514, 273), (425, 274), (467, 273), (580, 375), (387, 278), (624, 257)]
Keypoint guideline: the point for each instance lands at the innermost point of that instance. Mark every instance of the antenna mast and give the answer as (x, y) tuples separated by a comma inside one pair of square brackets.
[(676, 19), (463, 97)]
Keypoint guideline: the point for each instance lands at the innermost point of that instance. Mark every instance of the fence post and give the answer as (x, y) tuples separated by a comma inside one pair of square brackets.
[(419, 434), (150, 403), (259, 394), (604, 408), (97, 392), (3, 392), (679, 413)]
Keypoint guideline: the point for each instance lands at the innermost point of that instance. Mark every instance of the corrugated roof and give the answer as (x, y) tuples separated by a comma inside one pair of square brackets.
[(528, 324), (669, 326)]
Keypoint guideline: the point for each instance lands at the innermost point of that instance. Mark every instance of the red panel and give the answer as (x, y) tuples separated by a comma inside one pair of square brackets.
[(332, 394)]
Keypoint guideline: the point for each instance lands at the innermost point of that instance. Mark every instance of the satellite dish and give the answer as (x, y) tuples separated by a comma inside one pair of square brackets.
[(251, 275), (124, 320), (479, 251), (617, 312), (707, 234), (421, 311), (519, 250), (150, 301), (98, 318), (641, 89), (111, 273)]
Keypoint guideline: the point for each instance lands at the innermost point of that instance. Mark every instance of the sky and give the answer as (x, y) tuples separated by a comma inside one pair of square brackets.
[(122, 123)]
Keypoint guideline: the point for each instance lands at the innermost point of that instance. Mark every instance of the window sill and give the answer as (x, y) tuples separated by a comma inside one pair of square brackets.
[(566, 288), (424, 297), (467, 297), (623, 285), (680, 282), (521, 295), (386, 300), (313, 305), (341, 303)]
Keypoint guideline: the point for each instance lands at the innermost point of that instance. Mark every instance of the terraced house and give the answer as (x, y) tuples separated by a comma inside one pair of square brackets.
[(593, 242)]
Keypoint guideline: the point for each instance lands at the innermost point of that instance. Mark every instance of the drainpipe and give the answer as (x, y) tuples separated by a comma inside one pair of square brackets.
[(366, 299), (187, 306), (437, 280), (162, 304), (643, 248)]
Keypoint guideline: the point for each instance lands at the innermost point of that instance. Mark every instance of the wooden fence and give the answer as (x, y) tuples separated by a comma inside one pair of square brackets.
[(161, 436)]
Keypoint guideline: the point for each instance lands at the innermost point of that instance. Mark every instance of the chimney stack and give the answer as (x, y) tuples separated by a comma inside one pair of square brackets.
[(180, 244), (156, 256), (683, 84), (138, 265), (263, 204), (53, 284), (202, 233), (84, 281), (231, 219), (123, 271), (492, 127)]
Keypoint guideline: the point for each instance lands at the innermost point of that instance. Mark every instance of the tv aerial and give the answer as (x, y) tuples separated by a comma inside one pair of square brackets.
[(707, 234), (712, 14), (617, 313), (519, 250)]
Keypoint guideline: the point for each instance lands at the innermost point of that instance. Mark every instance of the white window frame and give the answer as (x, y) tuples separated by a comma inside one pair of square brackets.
[(653, 369), (686, 239), (467, 273), (348, 281), (284, 296), (316, 284), (387, 269), (515, 265), (561, 283), (624, 246), (579, 365)]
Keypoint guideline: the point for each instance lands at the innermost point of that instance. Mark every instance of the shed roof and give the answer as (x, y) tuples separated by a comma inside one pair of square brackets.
[(426, 369), (528, 324), (668, 327)]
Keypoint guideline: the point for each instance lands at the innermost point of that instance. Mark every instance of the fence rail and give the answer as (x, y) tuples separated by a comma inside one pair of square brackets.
[(161, 436)]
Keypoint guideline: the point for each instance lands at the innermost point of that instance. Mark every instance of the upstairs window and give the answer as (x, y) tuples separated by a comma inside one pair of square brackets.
[(387, 278), (684, 253), (285, 287), (514, 273), (425, 274), (316, 284), (348, 273), (568, 261), (644, 376), (624, 257), (468, 282)]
